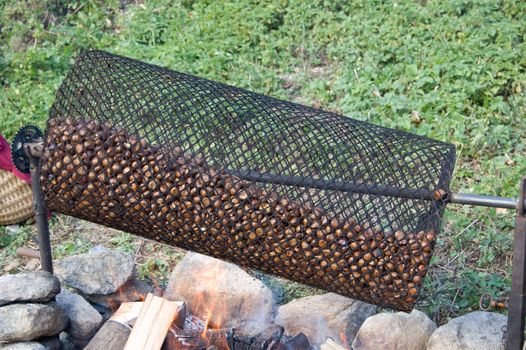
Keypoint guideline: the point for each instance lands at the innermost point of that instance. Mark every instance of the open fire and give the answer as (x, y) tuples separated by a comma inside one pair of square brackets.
[(214, 331), (196, 337), (157, 320), (210, 330), (203, 318), (204, 326)]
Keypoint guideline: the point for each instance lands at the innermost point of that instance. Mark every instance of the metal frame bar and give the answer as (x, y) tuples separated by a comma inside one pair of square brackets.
[(333, 185), (390, 191), (34, 152), (517, 298)]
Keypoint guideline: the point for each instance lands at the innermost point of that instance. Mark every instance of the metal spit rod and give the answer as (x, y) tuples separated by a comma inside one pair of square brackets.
[(379, 190), (484, 201)]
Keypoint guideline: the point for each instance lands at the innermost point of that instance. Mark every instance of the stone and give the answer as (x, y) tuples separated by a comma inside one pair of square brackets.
[(51, 343), (12, 229), (84, 320), (99, 248), (322, 316), (104, 311), (34, 286), (223, 292), (24, 322), (65, 340), (133, 290), (394, 331), (77, 343), (30, 345), (478, 330), (96, 273)]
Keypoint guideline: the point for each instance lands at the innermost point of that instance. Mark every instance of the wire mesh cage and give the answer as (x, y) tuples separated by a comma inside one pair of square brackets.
[(290, 190)]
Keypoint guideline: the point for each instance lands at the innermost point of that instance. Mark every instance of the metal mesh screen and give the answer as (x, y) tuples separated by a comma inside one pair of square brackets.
[(293, 191)]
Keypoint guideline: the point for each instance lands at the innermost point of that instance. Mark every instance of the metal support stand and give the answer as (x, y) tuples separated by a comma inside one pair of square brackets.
[(517, 299), (34, 152)]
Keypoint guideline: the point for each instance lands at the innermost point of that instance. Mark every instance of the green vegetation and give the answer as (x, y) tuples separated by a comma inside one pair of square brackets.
[(450, 70), (71, 236)]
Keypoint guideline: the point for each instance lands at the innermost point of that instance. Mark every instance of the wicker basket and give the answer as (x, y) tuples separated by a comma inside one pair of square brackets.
[(16, 199)]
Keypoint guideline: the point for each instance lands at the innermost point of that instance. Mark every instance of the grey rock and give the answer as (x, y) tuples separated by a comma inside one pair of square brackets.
[(84, 320), (133, 290), (99, 248), (34, 286), (322, 316), (78, 343), (51, 343), (394, 331), (474, 331), (97, 273), (24, 322), (31, 345), (65, 339), (12, 229), (231, 296), (104, 311)]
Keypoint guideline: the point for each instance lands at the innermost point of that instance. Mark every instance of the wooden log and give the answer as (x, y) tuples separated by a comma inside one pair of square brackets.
[(112, 336), (115, 332), (28, 252), (155, 318)]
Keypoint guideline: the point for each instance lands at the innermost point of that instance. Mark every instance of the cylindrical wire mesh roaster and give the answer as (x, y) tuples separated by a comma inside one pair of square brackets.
[(290, 190)]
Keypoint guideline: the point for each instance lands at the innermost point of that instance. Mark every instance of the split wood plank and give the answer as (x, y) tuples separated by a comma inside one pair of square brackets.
[(151, 327)]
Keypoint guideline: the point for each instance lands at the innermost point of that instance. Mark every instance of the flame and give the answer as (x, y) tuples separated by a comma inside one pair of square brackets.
[(210, 303), (125, 293), (209, 316), (343, 340)]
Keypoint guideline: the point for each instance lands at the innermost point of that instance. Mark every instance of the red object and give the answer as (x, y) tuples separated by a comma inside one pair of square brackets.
[(6, 162)]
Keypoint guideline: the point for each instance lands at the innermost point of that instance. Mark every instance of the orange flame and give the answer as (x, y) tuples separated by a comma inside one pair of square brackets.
[(210, 302), (123, 294), (343, 340)]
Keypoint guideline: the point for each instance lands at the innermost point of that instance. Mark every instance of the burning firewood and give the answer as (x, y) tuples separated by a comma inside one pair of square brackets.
[(278, 341), (155, 318)]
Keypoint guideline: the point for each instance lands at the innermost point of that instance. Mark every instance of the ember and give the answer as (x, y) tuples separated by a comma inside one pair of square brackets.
[(188, 339), (196, 334), (278, 341)]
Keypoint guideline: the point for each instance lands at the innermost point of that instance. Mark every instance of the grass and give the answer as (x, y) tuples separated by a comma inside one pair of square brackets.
[(70, 236), (450, 70)]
